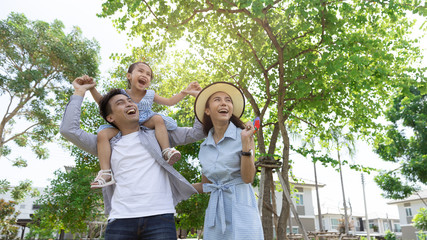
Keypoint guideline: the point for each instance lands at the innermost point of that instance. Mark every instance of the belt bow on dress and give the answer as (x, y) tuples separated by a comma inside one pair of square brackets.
[(217, 200)]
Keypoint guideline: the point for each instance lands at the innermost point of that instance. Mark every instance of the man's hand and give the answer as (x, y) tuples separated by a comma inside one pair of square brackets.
[(85, 79), (82, 84), (193, 89)]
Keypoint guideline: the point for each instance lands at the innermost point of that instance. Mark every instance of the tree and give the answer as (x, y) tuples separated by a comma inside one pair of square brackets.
[(420, 220), (8, 219), (68, 203), (405, 147), (38, 61), (301, 64), (8, 213)]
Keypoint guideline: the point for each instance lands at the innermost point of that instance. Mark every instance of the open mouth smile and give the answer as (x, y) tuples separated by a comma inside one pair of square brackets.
[(131, 111)]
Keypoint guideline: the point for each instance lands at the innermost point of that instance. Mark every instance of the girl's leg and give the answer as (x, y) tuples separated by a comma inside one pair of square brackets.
[(104, 156), (157, 123)]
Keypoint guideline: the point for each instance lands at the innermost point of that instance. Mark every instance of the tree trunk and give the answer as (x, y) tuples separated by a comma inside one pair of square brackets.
[(267, 220)]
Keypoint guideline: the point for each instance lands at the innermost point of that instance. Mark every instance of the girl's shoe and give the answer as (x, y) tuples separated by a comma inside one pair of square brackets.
[(104, 178), (171, 155)]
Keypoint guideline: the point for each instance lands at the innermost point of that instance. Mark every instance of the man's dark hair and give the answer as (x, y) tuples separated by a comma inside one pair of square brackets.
[(104, 105)]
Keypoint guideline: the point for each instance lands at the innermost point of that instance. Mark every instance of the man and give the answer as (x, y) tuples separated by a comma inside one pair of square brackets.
[(142, 202)]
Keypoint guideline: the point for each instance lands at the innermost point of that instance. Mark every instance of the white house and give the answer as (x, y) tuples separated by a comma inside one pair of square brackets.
[(304, 204), (332, 220), (408, 208), (381, 224)]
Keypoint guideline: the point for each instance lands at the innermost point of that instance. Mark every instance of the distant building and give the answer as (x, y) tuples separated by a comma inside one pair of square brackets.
[(333, 220), (383, 224), (408, 208), (26, 209), (304, 204)]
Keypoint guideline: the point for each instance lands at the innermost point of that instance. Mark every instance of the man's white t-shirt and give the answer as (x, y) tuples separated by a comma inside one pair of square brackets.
[(142, 185)]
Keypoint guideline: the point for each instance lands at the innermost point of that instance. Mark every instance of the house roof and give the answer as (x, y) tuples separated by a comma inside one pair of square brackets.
[(422, 194), (307, 183)]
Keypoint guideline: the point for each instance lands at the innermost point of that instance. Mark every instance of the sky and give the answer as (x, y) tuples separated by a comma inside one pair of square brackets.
[(83, 14)]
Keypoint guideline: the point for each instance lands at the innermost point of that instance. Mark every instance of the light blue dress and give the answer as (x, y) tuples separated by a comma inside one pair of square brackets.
[(232, 212), (146, 112)]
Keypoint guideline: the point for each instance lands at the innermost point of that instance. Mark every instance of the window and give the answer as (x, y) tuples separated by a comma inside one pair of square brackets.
[(35, 207), (408, 212), (299, 199), (22, 206), (397, 227), (334, 223), (294, 230)]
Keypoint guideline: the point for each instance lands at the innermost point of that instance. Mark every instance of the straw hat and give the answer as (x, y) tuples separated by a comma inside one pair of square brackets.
[(234, 92)]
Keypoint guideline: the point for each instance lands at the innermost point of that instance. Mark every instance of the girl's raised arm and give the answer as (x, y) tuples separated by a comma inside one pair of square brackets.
[(192, 89)]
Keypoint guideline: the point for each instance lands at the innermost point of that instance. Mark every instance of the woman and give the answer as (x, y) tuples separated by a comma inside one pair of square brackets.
[(228, 168)]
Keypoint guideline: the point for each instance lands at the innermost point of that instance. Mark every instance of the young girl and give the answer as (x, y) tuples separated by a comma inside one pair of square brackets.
[(139, 77)]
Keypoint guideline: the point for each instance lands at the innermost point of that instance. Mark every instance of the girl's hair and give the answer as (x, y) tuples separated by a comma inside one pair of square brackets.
[(207, 121), (132, 67)]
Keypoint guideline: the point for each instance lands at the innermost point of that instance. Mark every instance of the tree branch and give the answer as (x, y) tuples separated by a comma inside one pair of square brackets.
[(265, 10), (303, 120), (149, 8), (20, 134)]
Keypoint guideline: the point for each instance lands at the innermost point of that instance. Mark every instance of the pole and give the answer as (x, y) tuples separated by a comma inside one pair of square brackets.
[(368, 230), (343, 195), (319, 212)]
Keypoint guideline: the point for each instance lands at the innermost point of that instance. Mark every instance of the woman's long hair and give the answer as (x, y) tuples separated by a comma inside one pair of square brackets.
[(207, 121)]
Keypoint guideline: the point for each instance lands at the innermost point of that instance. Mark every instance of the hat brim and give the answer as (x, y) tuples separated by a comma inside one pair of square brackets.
[(228, 88)]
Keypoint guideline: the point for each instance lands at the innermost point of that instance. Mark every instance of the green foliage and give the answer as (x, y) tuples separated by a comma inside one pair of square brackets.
[(38, 61), (421, 235), (420, 219), (191, 212), (8, 219), (22, 190), (69, 203), (406, 147), (8, 226), (332, 61), (389, 235), (40, 233)]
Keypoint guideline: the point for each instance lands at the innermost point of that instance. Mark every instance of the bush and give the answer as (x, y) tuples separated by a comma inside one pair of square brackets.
[(420, 220), (390, 235)]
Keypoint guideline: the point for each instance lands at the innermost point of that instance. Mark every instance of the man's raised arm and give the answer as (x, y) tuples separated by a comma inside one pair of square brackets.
[(186, 135), (70, 125)]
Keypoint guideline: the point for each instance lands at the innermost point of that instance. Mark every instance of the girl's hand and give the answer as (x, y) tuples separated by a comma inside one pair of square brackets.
[(193, 89), (85, 79)]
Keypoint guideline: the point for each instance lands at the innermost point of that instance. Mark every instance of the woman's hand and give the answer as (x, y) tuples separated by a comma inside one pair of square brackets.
[(247, 163), (247, 136)]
